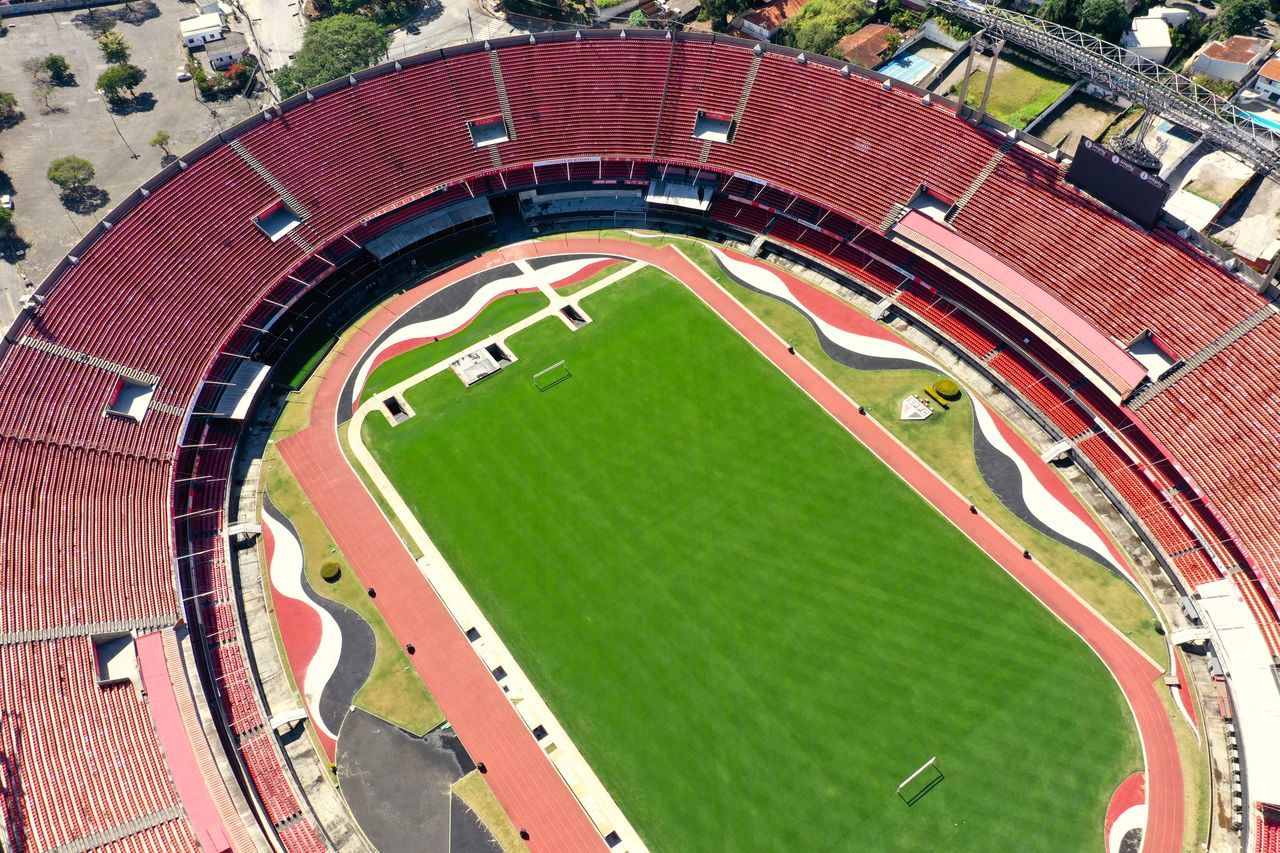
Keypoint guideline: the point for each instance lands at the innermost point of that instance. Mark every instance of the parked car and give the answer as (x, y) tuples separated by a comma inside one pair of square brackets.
[(6, 201), (412, 29), (183, 74)]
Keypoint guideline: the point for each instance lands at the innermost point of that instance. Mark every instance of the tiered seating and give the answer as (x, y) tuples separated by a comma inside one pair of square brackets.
[(1222, 422), (738, 215), (1267, 830), (85, 526), (1053, 403), (208, 464), (1138, 492), (77, 544), (260, 759), (301, 837), (1027, 214), (85, 758), (1196, 568), (799, 116)]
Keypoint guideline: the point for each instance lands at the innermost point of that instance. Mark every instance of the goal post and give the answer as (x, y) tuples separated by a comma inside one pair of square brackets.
[(920, 782), (551, 376)]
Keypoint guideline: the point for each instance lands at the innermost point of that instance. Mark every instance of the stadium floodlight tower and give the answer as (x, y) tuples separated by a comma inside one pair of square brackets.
[(1162, 90)]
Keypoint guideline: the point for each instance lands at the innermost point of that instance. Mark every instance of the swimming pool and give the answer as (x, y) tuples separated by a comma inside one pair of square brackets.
[(1270, 124), (907, 67)]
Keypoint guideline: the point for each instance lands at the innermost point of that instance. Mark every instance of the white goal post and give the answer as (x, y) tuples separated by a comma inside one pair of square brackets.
[(923, 767)]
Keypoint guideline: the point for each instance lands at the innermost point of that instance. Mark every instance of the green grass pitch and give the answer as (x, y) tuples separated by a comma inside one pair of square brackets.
[(751, 628)]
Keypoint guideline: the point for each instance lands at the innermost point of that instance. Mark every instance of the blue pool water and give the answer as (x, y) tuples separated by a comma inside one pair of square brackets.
[(1270, 124), (907, 67)]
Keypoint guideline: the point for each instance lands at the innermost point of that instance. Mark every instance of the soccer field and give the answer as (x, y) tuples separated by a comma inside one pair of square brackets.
[(750, 627)]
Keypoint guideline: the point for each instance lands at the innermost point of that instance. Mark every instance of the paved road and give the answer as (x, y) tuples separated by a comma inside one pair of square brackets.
[(521, 776)]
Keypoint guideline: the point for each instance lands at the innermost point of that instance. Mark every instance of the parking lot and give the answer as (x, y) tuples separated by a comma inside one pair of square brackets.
[(78, 122)]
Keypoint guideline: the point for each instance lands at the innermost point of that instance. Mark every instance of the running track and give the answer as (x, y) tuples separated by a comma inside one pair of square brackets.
[(521, 776)]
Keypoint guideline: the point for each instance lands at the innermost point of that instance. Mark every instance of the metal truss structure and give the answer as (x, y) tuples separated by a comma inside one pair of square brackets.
[(1110, 66)]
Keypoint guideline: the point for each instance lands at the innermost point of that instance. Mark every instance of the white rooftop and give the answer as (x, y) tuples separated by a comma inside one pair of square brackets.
[(1243, 653), (200, 24), (1149, 31), (1174, 16)]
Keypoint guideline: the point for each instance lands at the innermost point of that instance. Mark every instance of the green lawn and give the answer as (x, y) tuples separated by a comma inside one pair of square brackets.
[(496, 316), (1019, 93), (393, 690), (751, 628)]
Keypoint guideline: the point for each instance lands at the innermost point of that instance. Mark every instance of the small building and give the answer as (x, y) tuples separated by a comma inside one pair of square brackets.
[(1148, 37), (227, 51), (1269, 81), (868, 46), (1233, 59), (201, 29), (684, 10), (763, 23), (1172, 16)]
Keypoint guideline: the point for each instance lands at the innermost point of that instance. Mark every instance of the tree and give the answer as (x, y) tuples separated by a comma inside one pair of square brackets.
[(161, 141), (1106, 19), (637, 19), (118, 77), (114, 47), (1064, 12), (720, 12), (821, 23), (332, 48), (6, 221), (8, 107), (1238, 17), (44, 90), (71, 174), (56, 67)]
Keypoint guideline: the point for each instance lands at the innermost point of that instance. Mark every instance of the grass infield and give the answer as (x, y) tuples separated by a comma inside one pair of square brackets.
[(753, 630)]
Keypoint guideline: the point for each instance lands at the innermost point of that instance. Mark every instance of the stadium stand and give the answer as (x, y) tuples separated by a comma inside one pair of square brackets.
[(1267, 829), (115, 523)]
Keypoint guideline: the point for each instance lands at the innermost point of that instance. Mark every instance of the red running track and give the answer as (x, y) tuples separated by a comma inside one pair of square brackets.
[(522, 777)]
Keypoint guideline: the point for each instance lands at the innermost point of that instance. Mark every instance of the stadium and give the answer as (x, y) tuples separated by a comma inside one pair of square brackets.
[(660, 594)]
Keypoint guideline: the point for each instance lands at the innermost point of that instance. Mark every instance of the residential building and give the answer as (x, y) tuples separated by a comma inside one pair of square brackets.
[(201, 29), (1268, 84), (869, 46), (1148, 37), (225, 52), (1233, 59), (764, 22)]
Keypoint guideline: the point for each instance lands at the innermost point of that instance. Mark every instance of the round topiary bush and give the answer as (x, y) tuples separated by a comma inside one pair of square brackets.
[(330, 570), (947, 389)]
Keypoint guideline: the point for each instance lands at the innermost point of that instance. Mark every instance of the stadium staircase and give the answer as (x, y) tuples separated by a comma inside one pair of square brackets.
[(1244, 327), (896, 212), (987, 170), (505, 104), (59, 632), (52, 348), (747, 86), (662, 105), (124, 830), (274, 182)]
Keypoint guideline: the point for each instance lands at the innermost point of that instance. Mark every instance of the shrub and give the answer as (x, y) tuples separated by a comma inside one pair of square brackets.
[(947, 388), (330, 570)]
